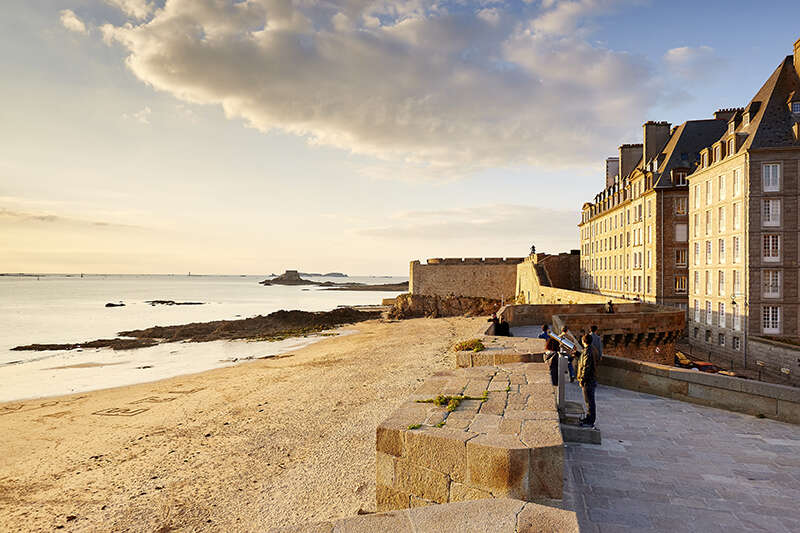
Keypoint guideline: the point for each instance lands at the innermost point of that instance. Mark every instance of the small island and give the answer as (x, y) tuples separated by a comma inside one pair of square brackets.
[(293, 277)]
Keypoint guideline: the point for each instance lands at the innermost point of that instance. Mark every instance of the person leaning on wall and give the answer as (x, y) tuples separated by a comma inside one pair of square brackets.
[(587, 379)]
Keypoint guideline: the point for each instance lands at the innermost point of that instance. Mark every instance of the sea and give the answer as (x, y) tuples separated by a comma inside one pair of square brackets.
[(71, 308)]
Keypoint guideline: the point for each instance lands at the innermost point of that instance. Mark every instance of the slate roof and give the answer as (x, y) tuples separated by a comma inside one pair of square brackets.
[(683, 148)]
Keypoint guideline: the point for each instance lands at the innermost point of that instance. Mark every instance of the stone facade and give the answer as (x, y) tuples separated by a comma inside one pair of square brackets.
[(554, 279), (744, 231), (493, 278)]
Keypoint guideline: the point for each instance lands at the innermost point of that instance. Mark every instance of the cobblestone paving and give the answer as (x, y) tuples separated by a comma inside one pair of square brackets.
[(666, 465)]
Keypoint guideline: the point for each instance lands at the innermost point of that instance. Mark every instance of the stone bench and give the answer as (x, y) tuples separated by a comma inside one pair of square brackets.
[(506, 446), (500, 515)]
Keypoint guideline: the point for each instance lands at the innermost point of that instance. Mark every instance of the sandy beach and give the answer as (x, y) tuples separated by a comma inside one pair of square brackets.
[(265, 443)]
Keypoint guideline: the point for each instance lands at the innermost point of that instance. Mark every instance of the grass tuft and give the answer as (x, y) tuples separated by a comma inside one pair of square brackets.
[(474, 345), (415, 426)]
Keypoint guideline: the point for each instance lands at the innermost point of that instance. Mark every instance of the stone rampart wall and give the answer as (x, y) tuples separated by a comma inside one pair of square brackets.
[(778, 402), (493, 278), (504, 441), (778, 357), (537, 314)]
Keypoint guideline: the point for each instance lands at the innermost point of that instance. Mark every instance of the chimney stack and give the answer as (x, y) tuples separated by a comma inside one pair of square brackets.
[(612, 170), (629, 155), (656, 135), (797, 56)]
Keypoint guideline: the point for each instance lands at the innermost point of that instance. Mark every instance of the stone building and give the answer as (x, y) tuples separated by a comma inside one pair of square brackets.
[(634, 235), (744, 222)]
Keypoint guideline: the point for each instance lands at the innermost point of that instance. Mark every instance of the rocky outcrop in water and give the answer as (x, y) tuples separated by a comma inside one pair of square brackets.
[(290, 277)]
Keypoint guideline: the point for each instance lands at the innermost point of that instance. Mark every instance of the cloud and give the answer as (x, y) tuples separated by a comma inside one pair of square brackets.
[(554, 229), (142, 116), (447, 89), (138, 9), (24, 217), (71, 22), (692, 63)]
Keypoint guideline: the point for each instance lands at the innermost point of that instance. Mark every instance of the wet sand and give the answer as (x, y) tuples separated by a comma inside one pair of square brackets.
[(266, 443)]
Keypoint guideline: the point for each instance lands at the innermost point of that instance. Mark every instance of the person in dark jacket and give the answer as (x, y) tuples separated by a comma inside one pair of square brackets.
[(495, 322), (551, 349), (587, 379), (503, 329)]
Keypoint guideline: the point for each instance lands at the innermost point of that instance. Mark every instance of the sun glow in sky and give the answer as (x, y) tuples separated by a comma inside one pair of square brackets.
[(213, 136)]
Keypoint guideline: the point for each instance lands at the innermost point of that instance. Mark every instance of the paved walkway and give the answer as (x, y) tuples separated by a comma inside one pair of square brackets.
[(666, 465)]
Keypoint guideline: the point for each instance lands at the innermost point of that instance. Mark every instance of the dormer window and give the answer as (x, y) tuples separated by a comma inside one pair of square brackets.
[(796, 107), (746, 120), (731, 146), (717, 153), (705, 159), (731, 127), (680, 177)]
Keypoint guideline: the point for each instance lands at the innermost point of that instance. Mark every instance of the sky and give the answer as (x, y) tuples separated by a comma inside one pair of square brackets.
[(254, 136)]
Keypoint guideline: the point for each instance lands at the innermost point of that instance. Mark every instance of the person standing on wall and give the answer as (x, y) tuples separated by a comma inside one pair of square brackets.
[(587, 379), (565, 334), (551, 347)]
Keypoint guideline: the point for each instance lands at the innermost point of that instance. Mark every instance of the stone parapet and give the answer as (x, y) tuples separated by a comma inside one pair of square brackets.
[(492, 278), (778, 402), (501, 515), (503, 350), (503, 440)]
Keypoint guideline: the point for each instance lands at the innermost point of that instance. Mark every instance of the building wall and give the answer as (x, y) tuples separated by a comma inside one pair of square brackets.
[(704, 228), (627, 256), (493, 278), (724, 338)]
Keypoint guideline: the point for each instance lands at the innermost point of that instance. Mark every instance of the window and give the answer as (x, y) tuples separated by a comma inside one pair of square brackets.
[(737, 318), (720, 283), (649, 208), (680, 284), (731, 127), (721, 250), (731, 147), (708, 336), (708, 252), (696, 332), (649, 260), (795, 107), (649, 234), (697, 253), (649, 288), (772, 283), (696, 230), (696, 315), (771, 248), (721, 339), (709, 198), (708, 282), (708, 222), (696, 283), (721, 219), (696, 196), (681, 206), (737, 283), (771, 319), (721, 190), (680, 258), (771, 177), (680, 177), (705, 159), (709, 315), (681, 233), (737, 182), (736, 217), (737, 343), (771, 213)]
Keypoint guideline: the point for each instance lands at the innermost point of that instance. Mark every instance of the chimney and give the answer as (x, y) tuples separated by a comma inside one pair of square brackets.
[(656, 135), (726, 114), (612, 170), (797, 56), (629, 155)]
